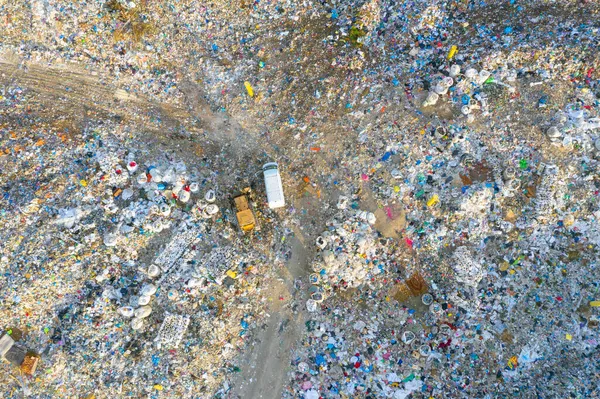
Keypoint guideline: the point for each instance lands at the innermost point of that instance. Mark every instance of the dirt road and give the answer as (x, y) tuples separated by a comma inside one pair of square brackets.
[(265, 366)]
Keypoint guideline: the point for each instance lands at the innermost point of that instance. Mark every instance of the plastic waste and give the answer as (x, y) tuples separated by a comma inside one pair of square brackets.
[(321, 243), (210, 210), (471, 73), (432, 99), (342, 202), (142, 312), (153, 270), (454, 70), (165, 209), (137, 323), (303, 367), (452, 52), (408, 337), (110, 239), (132, 167), (210, 196), (249, 89), (427, 299), (144, 300), (184, 196), (142, 179), (483, 76), (127, 193), (126, 311), (194, 187), (148, 289), (156, 175)]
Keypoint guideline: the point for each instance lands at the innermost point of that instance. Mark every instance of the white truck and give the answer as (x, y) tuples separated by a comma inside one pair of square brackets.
[(273, 185)]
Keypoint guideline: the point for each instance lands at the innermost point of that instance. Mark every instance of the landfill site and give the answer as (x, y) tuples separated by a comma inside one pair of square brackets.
[(300, 199)]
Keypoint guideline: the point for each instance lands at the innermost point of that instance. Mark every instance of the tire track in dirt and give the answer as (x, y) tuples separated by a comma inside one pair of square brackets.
[(74, 91), (265, 366)]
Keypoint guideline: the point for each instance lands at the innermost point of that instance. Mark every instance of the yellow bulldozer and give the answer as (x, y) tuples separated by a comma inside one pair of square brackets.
[(244, 214)]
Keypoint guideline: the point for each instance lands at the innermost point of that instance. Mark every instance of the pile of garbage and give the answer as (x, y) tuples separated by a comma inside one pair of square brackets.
[(349, 255), (136, 263), (576, 127), (474, 320), (460, 259)]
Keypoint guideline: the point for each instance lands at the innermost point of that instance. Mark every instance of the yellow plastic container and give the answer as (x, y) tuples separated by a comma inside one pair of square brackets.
[(452, 52), (231, 274), (433, 200), (249, 89)]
